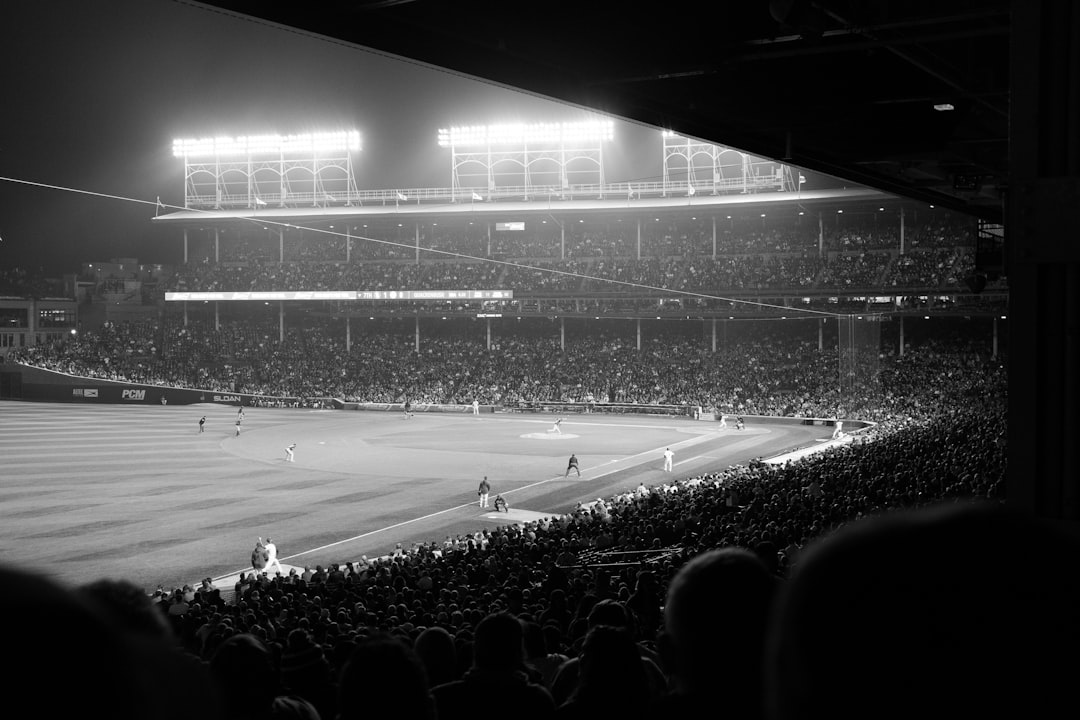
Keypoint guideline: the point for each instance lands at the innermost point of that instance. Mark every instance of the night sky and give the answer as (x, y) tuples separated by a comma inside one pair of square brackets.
[(96, 90)]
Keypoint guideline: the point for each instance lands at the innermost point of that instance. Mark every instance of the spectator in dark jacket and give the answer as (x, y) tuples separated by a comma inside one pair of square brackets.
[(497, 678)]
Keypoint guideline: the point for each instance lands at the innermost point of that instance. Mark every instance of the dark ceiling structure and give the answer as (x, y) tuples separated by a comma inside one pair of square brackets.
[(908, 97)]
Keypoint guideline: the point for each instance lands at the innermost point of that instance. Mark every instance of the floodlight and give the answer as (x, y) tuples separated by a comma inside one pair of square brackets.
[(944, 107), (308, 143), (526, 134)]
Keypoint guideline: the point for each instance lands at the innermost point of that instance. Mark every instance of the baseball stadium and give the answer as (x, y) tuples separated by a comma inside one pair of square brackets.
[(726, 437)]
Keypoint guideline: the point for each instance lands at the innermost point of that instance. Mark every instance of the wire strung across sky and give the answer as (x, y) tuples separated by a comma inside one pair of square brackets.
[(263, 222)]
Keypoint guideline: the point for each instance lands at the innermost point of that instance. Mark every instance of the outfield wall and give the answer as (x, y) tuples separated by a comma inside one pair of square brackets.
[(21, 382)]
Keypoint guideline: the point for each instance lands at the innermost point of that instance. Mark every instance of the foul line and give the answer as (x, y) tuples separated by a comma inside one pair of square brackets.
[(440, 512), (691, 441), (395, 525)]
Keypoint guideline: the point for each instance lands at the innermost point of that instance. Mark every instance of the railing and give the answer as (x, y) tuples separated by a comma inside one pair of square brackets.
[(569, 408), (419, 196), (632, 558)]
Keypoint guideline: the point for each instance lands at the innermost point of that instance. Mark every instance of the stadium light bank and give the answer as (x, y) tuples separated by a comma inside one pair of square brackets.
[(523, 134), (315, 143)]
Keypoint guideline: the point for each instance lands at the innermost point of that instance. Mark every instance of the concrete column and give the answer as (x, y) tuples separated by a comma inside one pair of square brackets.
[(994, 347), (901, 231), (1044, 260), (820, 235)]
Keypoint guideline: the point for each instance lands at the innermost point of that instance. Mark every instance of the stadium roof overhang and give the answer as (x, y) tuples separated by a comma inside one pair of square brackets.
[(911, 98)]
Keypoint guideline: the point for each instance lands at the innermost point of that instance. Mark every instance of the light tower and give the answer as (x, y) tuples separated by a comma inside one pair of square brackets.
[(252, 171), (692, 167), (526, 159)]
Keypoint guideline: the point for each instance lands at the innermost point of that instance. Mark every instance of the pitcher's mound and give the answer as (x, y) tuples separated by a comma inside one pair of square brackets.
[(550, 436)]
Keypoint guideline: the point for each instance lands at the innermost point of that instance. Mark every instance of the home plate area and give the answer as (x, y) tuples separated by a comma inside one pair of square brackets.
[(515, 516), (550, 436)]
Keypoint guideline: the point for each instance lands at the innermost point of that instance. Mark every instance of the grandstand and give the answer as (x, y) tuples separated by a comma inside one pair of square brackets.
[(829, 367), (774, 337), (529, 284)]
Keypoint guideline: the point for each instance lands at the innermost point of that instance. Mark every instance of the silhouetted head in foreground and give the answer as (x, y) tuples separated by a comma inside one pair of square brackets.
[(961, 611), (715, 626)]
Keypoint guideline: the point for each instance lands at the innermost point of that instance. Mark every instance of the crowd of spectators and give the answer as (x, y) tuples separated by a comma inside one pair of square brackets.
[(857, 254), (933, 268), (685, 237), (772, 371), (703, 594), (716, 592), (881, 270)]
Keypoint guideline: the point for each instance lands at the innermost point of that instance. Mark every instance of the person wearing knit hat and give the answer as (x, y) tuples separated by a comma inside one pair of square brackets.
[(259, 556), (306, 672)]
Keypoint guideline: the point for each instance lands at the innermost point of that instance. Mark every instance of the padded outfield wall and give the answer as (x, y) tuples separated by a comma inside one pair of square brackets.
[(20, 382)]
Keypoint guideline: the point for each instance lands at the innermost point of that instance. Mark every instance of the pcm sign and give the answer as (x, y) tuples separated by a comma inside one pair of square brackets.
[(133, 395)]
